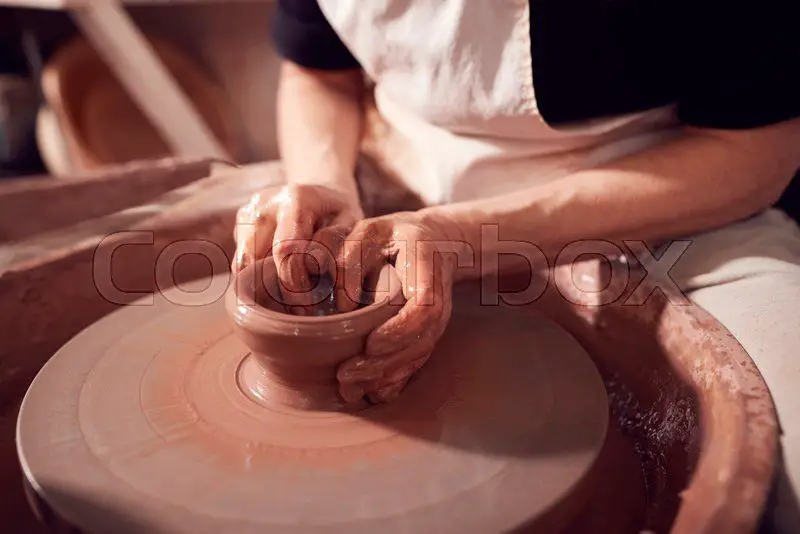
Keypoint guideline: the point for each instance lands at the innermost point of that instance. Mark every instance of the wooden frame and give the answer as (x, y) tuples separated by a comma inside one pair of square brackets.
[(125, 49)]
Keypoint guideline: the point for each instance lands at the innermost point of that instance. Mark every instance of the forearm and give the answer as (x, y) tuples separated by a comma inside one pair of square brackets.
[(320, 125), (695, 182)]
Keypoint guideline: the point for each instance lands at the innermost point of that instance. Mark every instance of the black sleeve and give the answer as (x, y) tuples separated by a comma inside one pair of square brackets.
[(303, 35), (741, 63)]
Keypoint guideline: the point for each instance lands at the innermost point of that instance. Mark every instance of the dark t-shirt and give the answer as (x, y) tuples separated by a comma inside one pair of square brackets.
[(724, 64)]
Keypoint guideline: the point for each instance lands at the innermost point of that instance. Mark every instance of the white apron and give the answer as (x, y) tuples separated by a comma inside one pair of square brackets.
[(455, 85)]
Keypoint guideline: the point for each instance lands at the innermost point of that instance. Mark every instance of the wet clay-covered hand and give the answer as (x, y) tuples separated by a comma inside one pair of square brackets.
[(424, 252), (284, 224)]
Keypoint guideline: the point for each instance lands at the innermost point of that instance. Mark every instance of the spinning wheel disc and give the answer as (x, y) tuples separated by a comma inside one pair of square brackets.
[(140, 424)]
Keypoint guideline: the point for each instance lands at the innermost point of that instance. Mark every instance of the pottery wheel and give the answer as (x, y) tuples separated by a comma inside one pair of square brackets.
[(139, 425)]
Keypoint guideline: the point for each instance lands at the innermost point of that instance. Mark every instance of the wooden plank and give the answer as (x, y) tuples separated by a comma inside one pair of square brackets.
[(221, 192), (30, 206), (132, 59)]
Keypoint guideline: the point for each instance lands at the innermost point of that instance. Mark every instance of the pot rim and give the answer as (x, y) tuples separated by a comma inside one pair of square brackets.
[(255, 311)]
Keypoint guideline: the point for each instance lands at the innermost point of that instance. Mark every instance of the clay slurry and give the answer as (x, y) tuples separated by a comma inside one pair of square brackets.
[(324, 302), (323, 294)]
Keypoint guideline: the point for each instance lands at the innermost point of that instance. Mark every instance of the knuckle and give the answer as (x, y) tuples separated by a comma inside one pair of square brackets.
[(286, 210), (286, 248), (242, 233), (425, 247), (352, 249), (361, 228), (302, 194), (241, 213), (256, 198), (371, 231), (245, 214), (282, 199), (321, 240), (348, 218), (333, 235)]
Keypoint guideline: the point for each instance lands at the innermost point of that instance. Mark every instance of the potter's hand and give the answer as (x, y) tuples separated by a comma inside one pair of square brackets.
[(421, 249), (284, 223)]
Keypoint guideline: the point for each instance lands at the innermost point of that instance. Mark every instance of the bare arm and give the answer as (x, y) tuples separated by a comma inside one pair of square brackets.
[(701, 180), (320, 123), (320, 120)]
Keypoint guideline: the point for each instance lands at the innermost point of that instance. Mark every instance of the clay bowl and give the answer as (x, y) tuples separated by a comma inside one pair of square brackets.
[(100, 123), (295, 358)]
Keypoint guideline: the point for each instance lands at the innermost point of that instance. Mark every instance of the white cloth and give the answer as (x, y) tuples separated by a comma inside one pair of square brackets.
[(461, 104)]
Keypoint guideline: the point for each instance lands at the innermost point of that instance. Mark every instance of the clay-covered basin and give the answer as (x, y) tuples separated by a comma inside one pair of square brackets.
[(295, 358)]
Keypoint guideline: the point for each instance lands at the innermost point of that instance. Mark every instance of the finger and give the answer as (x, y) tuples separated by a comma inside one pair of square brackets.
[(400, 374), (388, 393), (368, 369), (351, 392), (363, 252), (253, 231), (359, 369), (345, 219), (406, 370), (295, 282), (255, 243), (328, 241), (350, 274), (293, 230), (324, 247), (428, 301), (304, 208), (243, 232)]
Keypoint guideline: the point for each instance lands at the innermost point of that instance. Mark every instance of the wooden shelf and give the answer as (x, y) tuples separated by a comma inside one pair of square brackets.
[(107, 25)]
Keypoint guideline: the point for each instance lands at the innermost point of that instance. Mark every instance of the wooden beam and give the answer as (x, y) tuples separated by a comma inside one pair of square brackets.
[(132, 59), (63, 202)]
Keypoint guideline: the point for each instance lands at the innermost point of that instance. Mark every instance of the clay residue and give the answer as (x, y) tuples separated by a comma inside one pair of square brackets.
[(656, 431), (323, 297)]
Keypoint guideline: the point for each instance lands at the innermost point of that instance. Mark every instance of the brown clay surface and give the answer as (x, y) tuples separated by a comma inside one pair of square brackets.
[(141, 416)]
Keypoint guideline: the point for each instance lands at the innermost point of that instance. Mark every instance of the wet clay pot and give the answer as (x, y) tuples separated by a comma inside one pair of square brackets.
[(295, 358)]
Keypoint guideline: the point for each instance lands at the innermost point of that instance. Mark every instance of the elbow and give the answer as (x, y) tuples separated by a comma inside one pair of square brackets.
[(757, 197), (771, 155), (762, 194), (773, 195), (779, 169)]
